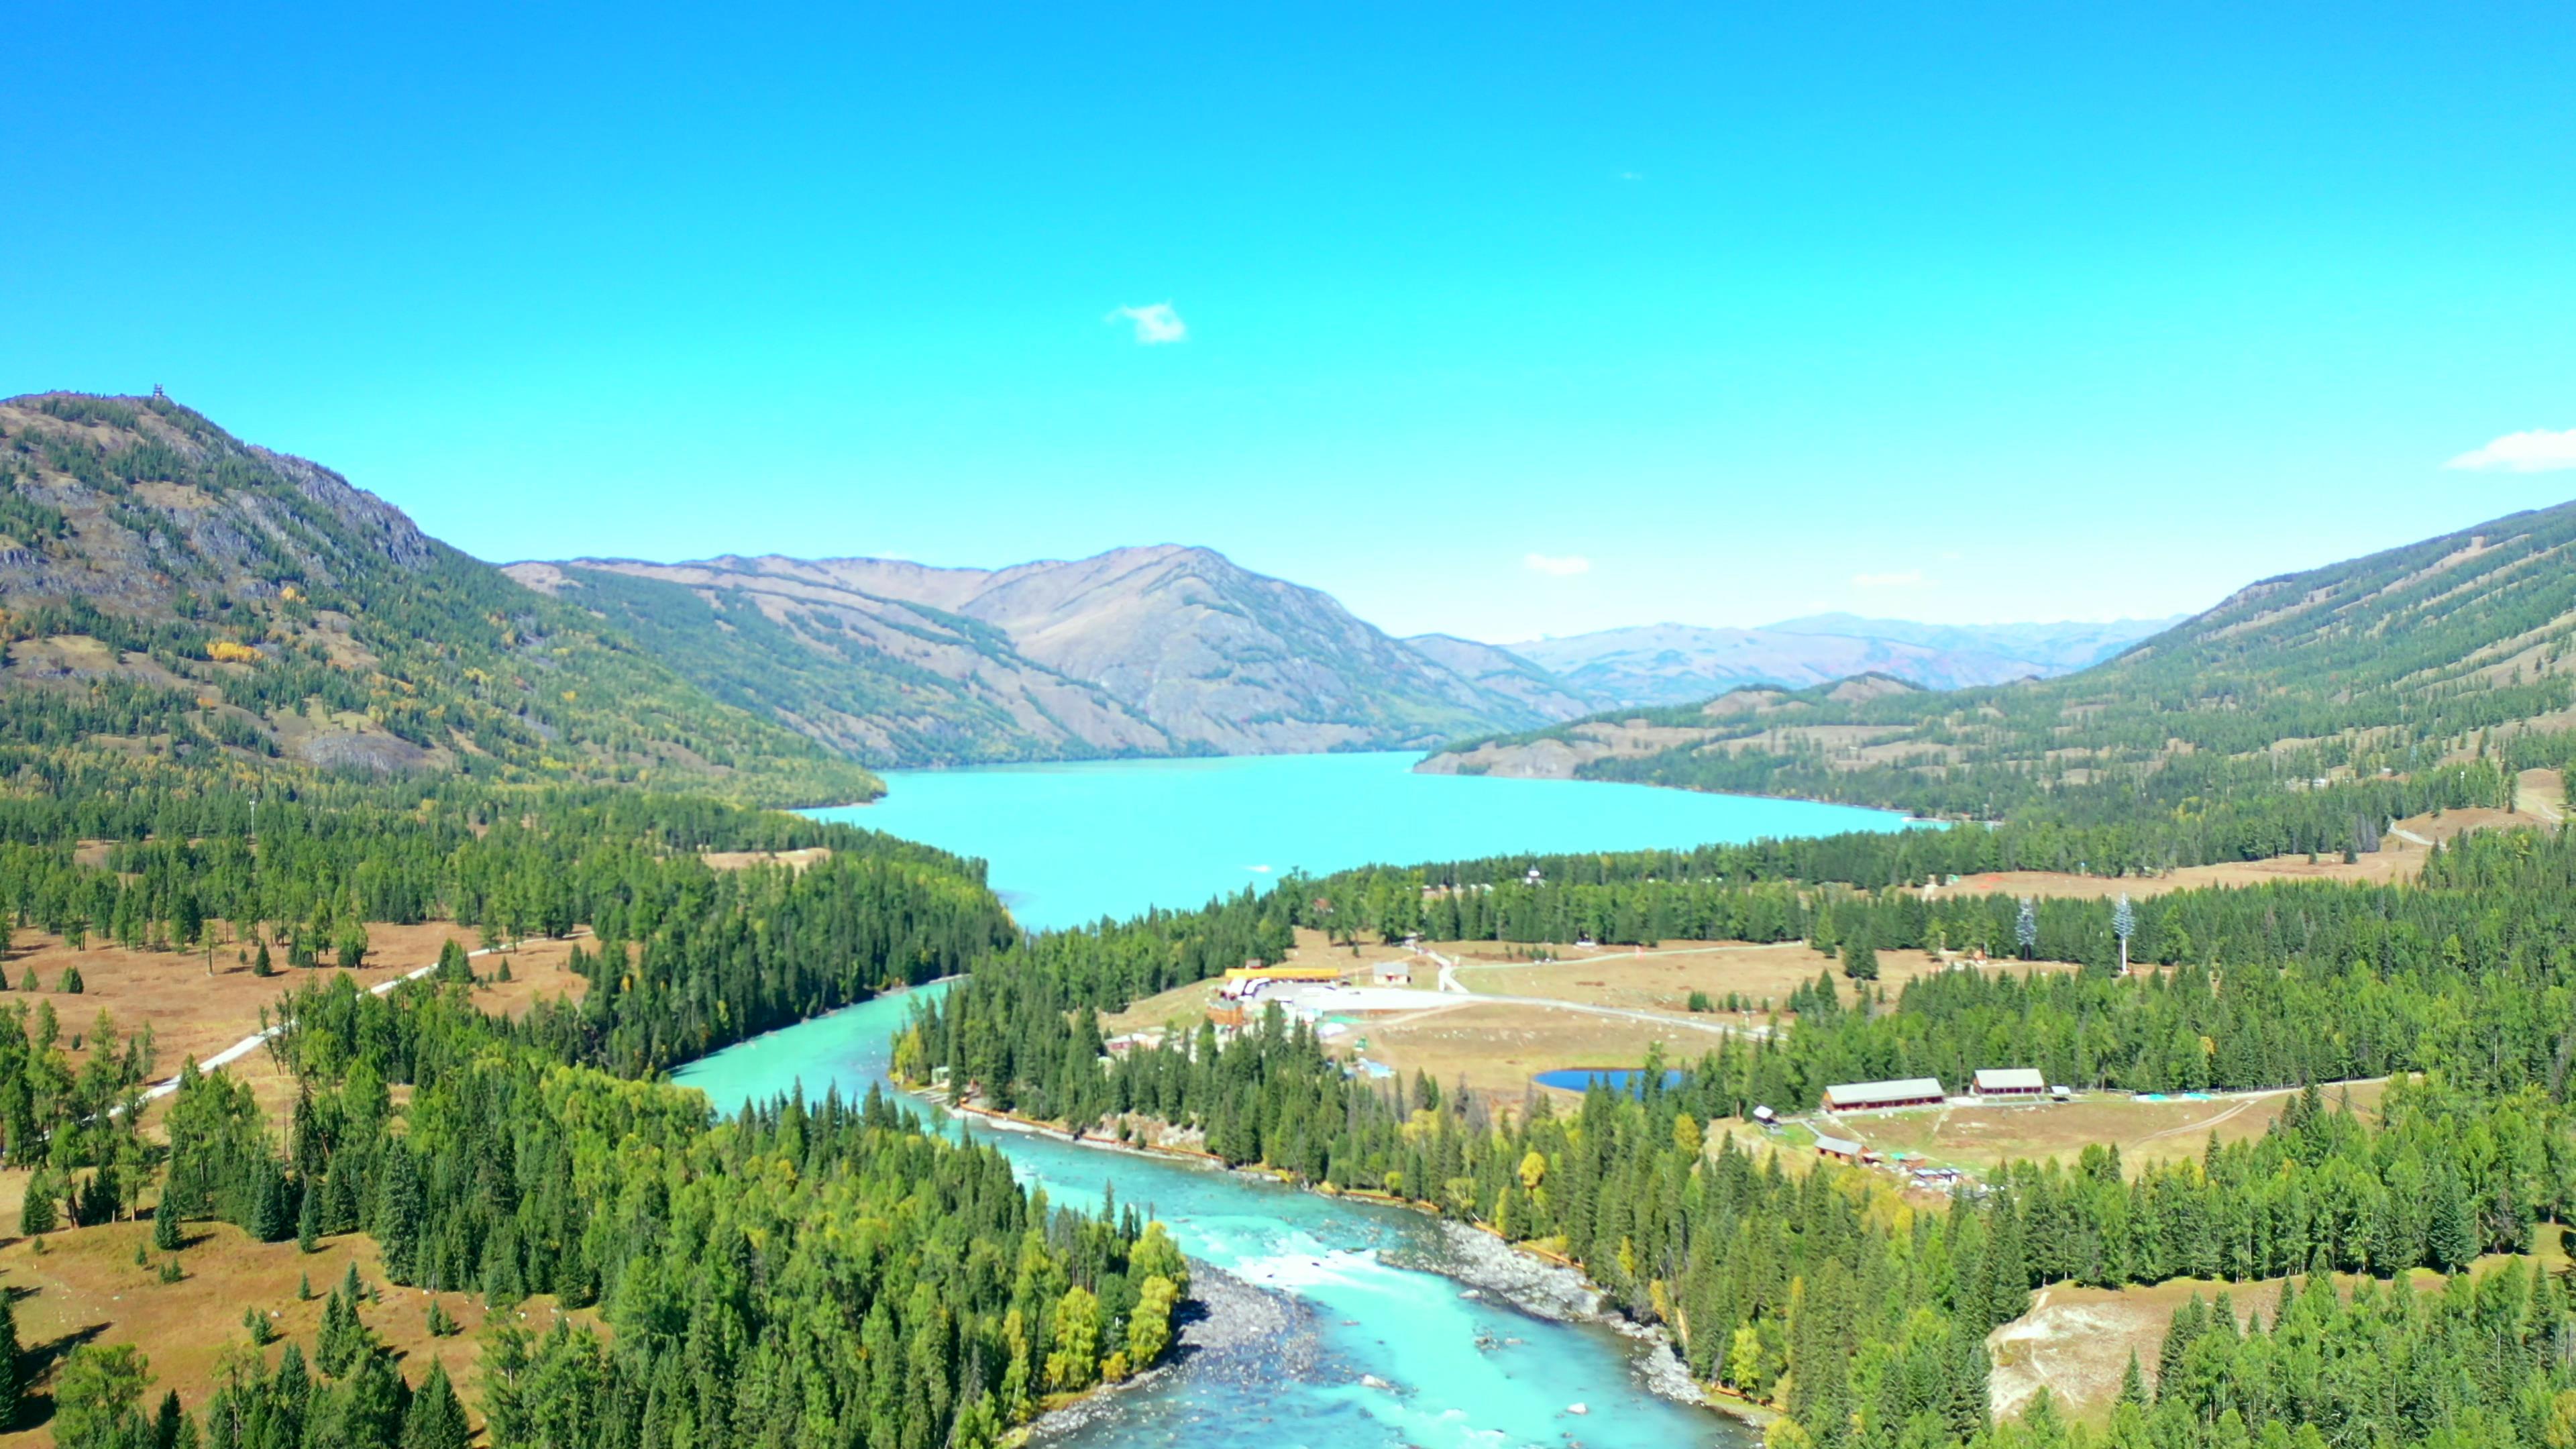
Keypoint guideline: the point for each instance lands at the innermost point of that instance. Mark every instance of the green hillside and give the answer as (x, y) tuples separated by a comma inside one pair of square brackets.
[(168, 592), (2307, 684)]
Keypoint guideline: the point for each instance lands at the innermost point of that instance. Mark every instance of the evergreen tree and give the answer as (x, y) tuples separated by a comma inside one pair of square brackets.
[(341, 1340), (308, 1218), (436, 1420), (397, 1215), (271, 1219), (170, 1423), (2451, 1232), (36, 1208), (98, 1397), (1860, 959), (12, 1364)]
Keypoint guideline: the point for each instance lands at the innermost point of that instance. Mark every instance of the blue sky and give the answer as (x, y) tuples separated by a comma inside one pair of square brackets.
[(1503, 321)]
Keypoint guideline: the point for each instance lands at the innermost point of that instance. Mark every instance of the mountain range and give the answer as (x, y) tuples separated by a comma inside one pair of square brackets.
[(1137, 651), (2452, 650), (1659, 664), (1177, 650), (170, 590)]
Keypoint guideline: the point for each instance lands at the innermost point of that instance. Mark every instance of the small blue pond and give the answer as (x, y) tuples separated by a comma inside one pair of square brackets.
[(1631, 1080)]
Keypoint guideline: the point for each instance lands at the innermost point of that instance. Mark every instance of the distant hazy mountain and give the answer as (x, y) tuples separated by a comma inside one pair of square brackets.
[(1660, 664), (2447, 650), (2054, 648), (1162, 650), (1500, 672)]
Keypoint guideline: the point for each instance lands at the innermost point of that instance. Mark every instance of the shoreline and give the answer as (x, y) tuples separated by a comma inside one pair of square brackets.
[(1232, 1316), (1911, 817), (1524, 1275), (904, 990)]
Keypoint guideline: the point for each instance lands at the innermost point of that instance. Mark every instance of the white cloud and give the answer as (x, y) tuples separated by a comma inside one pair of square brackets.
[(1561, 566), (2535, 451), (1155, 324), (1909, 579), (1632, 175)]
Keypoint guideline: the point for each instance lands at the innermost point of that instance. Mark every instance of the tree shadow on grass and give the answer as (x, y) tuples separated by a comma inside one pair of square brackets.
[(37, 1364)]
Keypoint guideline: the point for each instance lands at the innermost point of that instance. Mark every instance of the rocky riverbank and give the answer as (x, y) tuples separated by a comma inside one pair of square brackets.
[(1557, 1291), (1231, 1334), (1480, 1259)]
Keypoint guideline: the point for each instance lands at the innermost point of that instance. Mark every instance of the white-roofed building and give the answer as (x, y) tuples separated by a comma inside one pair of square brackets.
[(1871, 1096), (2011, 1082)]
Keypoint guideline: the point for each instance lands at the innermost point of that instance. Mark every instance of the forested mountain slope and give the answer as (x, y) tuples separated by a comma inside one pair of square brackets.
[(169, 591), (1162, 650), (2378, 665)]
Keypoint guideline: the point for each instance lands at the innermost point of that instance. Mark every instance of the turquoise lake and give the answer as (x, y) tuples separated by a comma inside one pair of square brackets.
[(1373, 1337), (1070, 843)]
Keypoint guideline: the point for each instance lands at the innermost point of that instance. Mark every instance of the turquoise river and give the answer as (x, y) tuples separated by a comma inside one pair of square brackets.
[(1334, 1324)]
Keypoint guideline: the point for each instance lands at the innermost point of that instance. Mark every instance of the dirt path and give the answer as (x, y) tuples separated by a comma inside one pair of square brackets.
[(1465, 998), (2209, 1124), (257, 1039)]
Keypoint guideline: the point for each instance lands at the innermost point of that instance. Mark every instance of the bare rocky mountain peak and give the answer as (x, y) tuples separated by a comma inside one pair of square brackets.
[(1155, 649)]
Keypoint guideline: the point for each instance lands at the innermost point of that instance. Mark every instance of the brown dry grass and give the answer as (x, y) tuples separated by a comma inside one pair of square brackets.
[(86, 1288), (2076, 1341), (1662, 978), (1187, 1005), (1977, 1138), (190, 1012), (1497, 1047), (2541, 805), (85, 1285), (194, 1015), (795, 860)]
